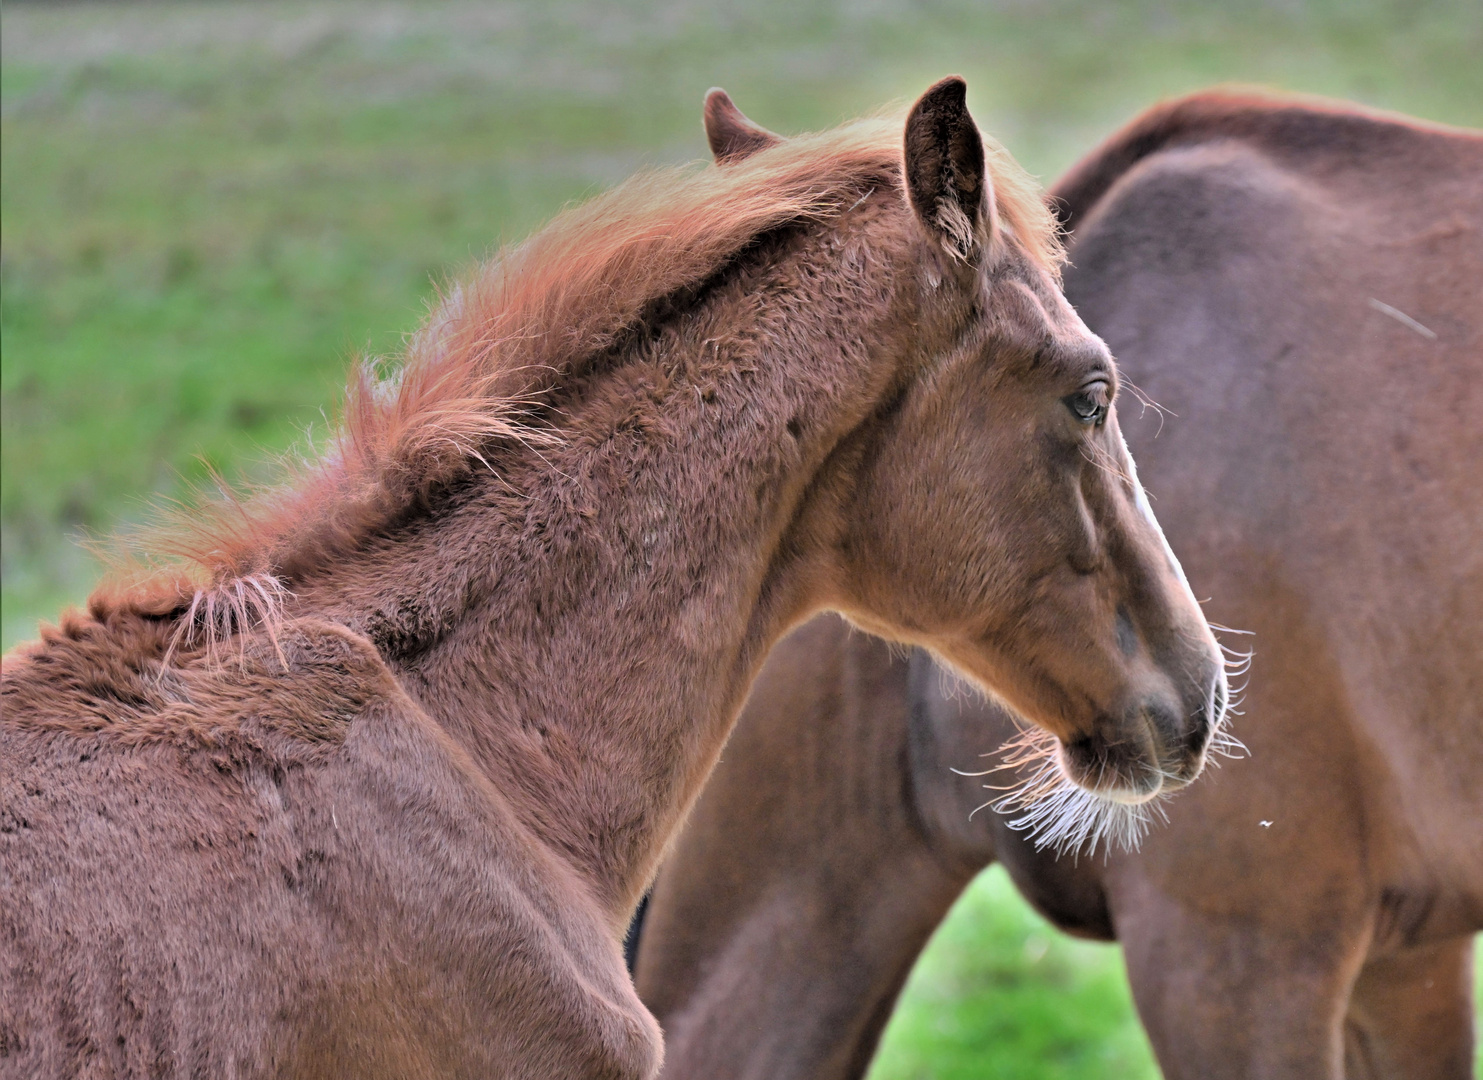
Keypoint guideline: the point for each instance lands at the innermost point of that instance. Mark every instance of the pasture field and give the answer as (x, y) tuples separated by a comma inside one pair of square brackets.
[(208, 209)]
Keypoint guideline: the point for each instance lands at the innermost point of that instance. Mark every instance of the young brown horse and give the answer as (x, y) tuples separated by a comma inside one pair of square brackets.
[(379, 799), (1302, 285)]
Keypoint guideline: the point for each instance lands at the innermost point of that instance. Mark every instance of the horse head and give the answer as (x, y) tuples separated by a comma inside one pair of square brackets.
[(991, 511)]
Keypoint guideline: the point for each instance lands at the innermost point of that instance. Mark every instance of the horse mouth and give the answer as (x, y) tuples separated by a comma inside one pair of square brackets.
[(1117, 771), (1103, 788), (1134, 765)]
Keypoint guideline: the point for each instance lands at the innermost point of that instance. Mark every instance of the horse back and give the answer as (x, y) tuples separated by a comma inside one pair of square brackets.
[(1299, 286), (1369, 153)]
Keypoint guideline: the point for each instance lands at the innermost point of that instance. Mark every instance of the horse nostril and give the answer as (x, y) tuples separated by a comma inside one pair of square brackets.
[(1199, 735), (1207, 719)]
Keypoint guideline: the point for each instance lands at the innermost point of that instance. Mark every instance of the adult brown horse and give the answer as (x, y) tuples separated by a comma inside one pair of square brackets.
[(1302, 285), (379, 799)]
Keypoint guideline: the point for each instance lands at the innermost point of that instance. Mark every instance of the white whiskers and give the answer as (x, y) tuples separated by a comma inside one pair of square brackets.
[(1238, 666), (1055, 813)]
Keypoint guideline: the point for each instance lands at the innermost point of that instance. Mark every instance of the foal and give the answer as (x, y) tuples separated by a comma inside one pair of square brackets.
[(378, 799)]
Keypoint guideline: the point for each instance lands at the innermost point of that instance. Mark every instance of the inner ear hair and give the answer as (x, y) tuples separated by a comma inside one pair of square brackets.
[(946, 176), (731, 135)]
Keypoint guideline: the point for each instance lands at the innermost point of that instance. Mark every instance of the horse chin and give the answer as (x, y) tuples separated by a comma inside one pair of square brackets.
[(1131, 797), (1128, 776), (1056, 804)]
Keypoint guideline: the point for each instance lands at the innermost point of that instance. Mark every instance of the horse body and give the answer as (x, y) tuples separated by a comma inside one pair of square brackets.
[(1336, 438), (380, 797), (1300, 285), (289, 869)]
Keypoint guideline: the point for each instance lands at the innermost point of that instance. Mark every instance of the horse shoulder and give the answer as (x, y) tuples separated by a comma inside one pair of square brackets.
[(281, 849), (508, 942)]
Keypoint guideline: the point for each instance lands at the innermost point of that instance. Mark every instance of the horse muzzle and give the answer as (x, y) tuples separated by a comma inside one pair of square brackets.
[(1155, 748)]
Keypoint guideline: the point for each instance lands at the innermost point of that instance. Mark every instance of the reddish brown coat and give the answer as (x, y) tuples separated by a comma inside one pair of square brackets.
[(377, 796)]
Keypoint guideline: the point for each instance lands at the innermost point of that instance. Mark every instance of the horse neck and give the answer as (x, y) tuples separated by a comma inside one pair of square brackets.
[(598, 633)]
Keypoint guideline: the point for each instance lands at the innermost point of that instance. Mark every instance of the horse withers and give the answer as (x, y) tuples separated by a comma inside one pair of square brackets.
[(376, 791), (1300, 284)]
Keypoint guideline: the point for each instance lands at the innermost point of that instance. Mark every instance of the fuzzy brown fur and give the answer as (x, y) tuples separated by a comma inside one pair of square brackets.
[(1308, 912), (478, 380), (379, 796)]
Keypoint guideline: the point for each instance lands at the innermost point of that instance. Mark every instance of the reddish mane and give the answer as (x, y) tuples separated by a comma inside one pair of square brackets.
[(476, 373)]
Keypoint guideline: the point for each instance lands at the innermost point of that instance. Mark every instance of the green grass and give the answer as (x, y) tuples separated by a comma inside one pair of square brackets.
[(208, 209), (999, 993)]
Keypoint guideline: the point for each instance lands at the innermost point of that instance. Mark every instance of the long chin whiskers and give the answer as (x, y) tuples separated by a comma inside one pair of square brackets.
[(1053, 811)]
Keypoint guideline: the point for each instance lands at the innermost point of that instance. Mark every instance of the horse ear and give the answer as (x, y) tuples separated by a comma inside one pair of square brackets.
[(946, 178), (731, 135)]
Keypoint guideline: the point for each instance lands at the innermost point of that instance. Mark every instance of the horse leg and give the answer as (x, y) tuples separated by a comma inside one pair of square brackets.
[(1228, 998), (1411, 1015), (776, 950)]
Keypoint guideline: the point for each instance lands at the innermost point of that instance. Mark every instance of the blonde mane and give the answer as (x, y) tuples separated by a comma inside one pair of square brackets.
[(477, 372)]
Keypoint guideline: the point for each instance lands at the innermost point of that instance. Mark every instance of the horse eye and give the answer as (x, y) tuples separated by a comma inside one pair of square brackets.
[(1089, 404)]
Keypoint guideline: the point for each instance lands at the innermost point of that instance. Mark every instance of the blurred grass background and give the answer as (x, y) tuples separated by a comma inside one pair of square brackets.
[(207, 209)]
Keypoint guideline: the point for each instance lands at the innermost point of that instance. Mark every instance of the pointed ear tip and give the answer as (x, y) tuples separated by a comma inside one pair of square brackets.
[(716, 97), (950, 92), (952, 84)]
